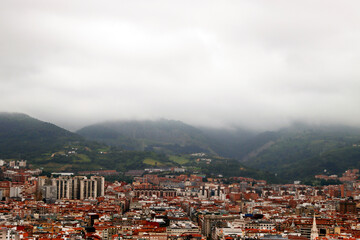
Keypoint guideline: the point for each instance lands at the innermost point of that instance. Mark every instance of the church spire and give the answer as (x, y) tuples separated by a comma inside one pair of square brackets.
[(314, 230), (292, 226)]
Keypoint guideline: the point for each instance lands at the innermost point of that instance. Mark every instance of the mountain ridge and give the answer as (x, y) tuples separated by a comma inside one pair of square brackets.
[(146, 134), (22, 134), (52, 148), (278, 151), (299, 151)]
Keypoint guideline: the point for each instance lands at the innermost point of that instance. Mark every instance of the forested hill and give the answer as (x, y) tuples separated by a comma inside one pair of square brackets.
[(294, 153), (303, 151), (24, 136), (335, 161), (291, 153), (164, 135), (239, 144), (52, 148), (176, 137)]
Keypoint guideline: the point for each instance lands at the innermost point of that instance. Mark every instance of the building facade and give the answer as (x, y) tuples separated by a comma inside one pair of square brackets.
[(76, 187)]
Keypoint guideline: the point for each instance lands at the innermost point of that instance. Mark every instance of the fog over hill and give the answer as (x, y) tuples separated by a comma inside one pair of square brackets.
[(236, 143), (296, 152), (311, 148), (52, 148)]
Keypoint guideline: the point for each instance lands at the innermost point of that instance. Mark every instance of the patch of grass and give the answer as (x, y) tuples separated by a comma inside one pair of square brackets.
[(178, 159), (82, 158), (41, 160), (152, 162), (103, 149), (56, 167)]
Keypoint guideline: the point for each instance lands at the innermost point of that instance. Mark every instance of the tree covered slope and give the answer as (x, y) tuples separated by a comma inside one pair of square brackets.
[(23, 135)]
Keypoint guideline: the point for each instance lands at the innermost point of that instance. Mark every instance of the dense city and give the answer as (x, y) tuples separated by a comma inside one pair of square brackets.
[(174, 205), (179, 120)]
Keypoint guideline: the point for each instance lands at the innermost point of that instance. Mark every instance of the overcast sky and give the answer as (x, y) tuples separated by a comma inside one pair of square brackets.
[(259, 64)]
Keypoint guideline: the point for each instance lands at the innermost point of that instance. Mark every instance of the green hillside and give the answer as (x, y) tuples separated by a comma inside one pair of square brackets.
[(298, 151), (52, 148), (21, 135), (175, 137), (94, 156), (235, 143), (163, 135), (284, 153), (335, 161), (295, 153)]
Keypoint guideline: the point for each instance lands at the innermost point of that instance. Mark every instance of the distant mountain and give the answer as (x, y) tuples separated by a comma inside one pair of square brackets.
[(55, 149), (24, 136), (294, 153), (291, 153), (177, 137), (302, 151), (162, 135), (335, 161), (236, 143)]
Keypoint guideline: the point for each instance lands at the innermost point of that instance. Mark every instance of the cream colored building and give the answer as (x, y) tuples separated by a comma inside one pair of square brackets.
[(77, 187)]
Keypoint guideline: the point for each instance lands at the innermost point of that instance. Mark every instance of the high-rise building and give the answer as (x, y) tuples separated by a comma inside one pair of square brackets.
[(22, 163), (77, 187), (49, 193), (88, 189)]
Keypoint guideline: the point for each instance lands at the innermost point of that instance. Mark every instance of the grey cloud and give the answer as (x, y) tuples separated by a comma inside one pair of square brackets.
[(258, 64)]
